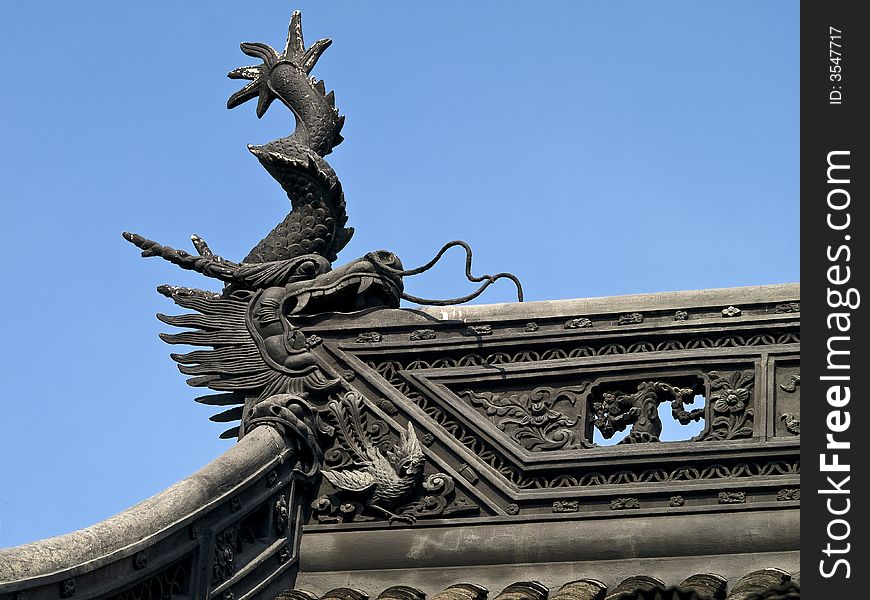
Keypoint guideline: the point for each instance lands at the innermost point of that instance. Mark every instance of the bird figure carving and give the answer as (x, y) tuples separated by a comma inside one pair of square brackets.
[(381, 479)]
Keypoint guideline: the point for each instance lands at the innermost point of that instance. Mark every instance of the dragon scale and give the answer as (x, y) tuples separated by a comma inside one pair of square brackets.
[(316, 222)]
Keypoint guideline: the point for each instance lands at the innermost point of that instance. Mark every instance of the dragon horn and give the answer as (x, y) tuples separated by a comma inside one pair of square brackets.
[(208, 265)]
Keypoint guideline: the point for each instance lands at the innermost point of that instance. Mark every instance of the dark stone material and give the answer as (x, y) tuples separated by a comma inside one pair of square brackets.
[(577, 323), (702, 586), (630, 319), (633, 585), (706, 585), (583, 589), (473, 451), (757, 583), (463, 591), (401, 592), (524, 590), (81, 563)]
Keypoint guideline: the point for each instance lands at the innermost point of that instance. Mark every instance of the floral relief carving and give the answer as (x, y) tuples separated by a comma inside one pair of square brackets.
[(533, 419), (624, 503), (396, 370), (566, 506), (369, 337), (731, 498), (791, 419), (630, 319), (474, 330), (788, 494), (730, 405), (282, 515), (788, 307), (422, 334), (579, 323), (226, 545), (731, 311)]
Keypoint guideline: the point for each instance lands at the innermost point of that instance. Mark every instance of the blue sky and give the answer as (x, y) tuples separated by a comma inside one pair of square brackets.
[(592, 148)]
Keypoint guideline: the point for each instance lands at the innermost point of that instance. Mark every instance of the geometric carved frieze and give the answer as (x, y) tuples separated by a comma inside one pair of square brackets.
[(519, 419)]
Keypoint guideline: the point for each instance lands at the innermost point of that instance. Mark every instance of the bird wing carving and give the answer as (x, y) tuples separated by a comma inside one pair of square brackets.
[(352, 480)]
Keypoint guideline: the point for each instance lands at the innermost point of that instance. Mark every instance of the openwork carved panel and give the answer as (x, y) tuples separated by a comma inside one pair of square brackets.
[(535, 410), (364, 415), (171, 582)]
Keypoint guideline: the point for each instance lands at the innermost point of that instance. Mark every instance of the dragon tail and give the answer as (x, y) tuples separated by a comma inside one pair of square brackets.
[(316, 223)]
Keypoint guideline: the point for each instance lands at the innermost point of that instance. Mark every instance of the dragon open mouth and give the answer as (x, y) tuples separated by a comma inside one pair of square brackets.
[(363, 283), (350, 293)]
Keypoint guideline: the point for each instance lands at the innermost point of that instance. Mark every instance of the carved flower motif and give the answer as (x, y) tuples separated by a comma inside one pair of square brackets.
[(730, 400), (731, 311), (532, 418), (730, 397), (539, 413)]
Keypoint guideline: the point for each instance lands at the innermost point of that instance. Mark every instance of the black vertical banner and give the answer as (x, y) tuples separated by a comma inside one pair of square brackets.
[(835, 225)]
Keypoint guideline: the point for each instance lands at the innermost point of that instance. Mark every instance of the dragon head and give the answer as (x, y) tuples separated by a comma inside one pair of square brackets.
[(367, 282)]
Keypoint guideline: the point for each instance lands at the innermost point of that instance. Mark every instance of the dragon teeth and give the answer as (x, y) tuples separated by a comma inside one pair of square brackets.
[(364, 284), (301, 302)]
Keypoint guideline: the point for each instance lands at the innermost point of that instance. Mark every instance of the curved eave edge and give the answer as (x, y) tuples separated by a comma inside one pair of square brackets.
[(146, 523)]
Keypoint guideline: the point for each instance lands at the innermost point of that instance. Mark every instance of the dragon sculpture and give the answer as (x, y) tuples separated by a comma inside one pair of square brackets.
[(255, 354)]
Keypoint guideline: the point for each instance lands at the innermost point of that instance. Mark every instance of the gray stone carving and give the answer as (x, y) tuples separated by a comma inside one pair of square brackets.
[(327, 416), (793, 381), (376, 476), (731, 311), (422, 334), (624, 503), (613, 411), (532, 419), (579, 323), (732, 497), (731, 405), (787, 307), (369, 337), (630, 319)]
